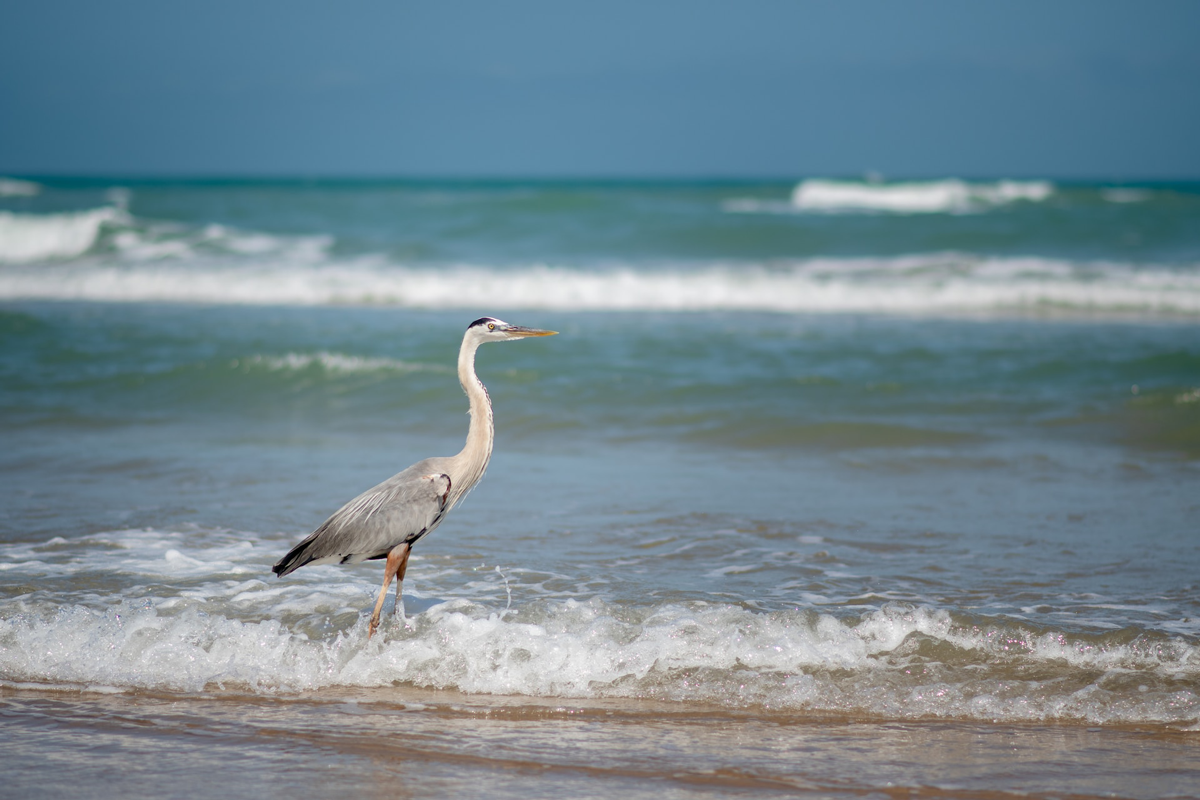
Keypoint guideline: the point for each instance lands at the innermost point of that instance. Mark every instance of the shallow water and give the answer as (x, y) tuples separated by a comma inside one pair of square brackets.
[(421, 744), (718, 551)]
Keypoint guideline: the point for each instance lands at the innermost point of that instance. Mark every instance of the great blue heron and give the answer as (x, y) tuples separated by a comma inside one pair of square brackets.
[(386, 521)]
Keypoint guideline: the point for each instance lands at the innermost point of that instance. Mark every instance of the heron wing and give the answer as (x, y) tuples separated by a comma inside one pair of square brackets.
[(401, 509)]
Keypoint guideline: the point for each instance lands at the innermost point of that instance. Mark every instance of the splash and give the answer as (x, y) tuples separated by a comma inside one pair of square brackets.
[(897, 662)]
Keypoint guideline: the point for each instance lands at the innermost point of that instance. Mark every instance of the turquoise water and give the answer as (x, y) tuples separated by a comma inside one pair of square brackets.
[(848, 454)]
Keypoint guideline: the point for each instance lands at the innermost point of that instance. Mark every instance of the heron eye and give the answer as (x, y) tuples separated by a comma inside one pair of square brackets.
[(491, 326)]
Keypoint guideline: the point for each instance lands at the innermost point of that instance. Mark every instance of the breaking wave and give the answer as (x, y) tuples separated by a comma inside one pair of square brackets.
[(39, 237), (111, 234), (919, 284), (333, 363), (897, 662), (950, 196), (107, 255), (927, 197), (230, 626)]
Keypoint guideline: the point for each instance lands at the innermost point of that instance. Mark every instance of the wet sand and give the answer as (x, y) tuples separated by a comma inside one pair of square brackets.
[(405, 742)]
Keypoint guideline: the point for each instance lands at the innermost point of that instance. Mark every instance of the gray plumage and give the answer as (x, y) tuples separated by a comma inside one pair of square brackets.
[(400, 510), (387, 520)]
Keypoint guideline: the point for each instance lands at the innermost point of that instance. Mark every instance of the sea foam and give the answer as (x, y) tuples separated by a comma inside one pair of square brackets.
[(197, 611), (111, 234), (896, 662), (336, 362), (925, 197), (935, 283), (38, 237), (107, 255)]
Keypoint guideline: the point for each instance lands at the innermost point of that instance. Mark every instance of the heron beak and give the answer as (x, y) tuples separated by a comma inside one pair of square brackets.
[(518, 330)]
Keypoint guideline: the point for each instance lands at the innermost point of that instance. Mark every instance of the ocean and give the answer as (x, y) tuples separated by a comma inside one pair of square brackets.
[(827, 488)]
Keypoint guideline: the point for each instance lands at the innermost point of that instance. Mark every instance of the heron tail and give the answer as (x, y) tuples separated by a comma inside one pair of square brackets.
[(296, 558)]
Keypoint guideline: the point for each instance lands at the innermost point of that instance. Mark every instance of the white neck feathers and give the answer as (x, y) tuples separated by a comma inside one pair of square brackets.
[(471, 463)]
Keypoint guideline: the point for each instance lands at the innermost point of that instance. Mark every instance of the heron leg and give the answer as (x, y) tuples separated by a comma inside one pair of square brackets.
[(400, 581), (395, 561)]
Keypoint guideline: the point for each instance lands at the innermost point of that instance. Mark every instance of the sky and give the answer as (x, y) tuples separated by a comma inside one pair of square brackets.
[(559, 88)]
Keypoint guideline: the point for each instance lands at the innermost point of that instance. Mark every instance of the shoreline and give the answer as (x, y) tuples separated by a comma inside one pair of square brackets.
[(445, 743)]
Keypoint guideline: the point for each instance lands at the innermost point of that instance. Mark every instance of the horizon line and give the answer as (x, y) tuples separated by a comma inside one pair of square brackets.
[(152, 177)]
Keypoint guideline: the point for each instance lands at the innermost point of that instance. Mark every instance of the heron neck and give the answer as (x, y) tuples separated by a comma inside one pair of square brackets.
[(473, 459)]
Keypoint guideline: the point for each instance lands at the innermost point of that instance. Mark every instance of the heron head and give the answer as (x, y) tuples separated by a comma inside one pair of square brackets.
[(490, 329)]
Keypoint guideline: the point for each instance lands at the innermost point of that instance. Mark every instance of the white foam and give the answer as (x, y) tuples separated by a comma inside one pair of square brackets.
[(919, 284), (14, 187), (197, 610), (148, 242), (336, 362), (38, 237), (926, 197), (110, 234), (730, 656)]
